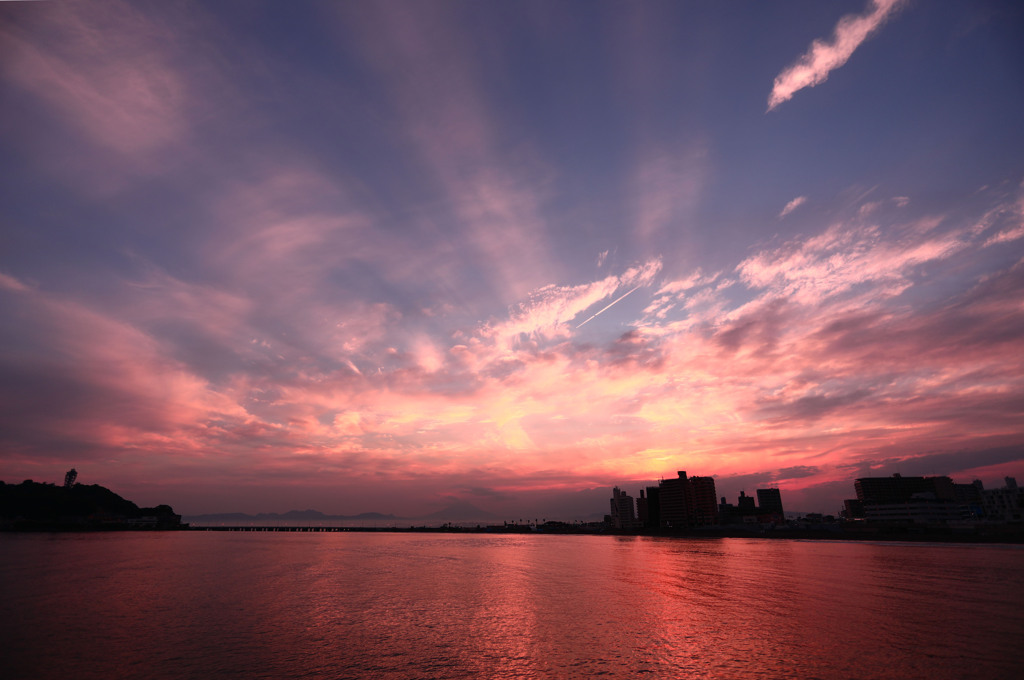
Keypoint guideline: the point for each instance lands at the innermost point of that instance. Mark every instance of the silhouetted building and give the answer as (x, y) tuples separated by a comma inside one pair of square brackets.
[(968, 493), (705, 509), (968, 499), (650, 516), (1005, 504), (898, 489), (745, 505), (622, 510), (70, 477), (746, 512), (921, 508), (687, 502), (726, 512), (853, 509), (769, 502), (935, 500), (676, 502), (916, 500)]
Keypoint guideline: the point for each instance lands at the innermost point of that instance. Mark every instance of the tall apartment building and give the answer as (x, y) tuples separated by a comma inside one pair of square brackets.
[(687, 502), (705, 505), (769, 502), (622, 513), (676, 501)]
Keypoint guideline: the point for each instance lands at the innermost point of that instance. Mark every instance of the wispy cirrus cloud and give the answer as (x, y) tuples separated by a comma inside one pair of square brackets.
[(549, 310), (792, 205), (814, 66), (666, 190), (11, 283), (1008, 219), (846, 256), (1006, 236), (431, 74), (803, 361), (673, 293), (99, 68)]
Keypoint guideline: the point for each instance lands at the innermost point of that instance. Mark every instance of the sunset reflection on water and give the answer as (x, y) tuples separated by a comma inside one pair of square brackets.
[(451, 606)]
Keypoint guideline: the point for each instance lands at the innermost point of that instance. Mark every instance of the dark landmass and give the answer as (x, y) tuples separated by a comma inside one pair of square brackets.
[(32, 506)]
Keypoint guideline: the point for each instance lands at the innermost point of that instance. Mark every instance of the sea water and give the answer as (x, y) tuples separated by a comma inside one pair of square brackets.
[(409, 605)]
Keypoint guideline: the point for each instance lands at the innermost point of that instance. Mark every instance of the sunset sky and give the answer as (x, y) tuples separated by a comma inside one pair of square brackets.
[(381, 256)]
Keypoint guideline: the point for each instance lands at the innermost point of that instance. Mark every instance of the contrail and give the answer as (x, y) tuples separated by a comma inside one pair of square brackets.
[(606, 308)]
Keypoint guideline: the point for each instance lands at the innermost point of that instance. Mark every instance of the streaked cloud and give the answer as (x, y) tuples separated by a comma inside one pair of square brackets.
[(551, 308), (846, 256), (1006, 235), (107, 69), (792, 205), (429, 70), (667, 189), (814, 66), (815, 358), (11, 283)]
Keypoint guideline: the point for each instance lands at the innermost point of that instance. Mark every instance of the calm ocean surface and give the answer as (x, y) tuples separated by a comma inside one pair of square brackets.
[(366, 605)]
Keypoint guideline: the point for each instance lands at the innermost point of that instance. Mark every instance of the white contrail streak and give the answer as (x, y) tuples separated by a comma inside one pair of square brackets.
[(607, 307)]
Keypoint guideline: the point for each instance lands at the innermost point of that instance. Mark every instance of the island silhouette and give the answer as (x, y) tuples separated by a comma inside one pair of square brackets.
[(43, 506)]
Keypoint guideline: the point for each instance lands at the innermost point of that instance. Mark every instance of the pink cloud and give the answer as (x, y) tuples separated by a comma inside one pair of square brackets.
[(673, 292), (792, 205), (13, 284), (103, 384), (846, 256), (548, 310), (802, 363), (1005, 236), (103, 69), (814, 67)]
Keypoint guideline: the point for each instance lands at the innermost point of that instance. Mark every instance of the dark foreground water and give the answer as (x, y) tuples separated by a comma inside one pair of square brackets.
[(360, 605)]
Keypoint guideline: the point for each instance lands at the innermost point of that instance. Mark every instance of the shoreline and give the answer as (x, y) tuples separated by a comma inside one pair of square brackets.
[(1012, 534)]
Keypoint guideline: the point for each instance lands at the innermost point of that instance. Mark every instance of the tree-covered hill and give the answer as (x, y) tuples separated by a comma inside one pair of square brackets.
[(33, 505)]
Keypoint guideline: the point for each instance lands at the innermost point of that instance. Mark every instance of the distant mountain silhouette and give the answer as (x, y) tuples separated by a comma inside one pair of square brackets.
[(373, 515), (291, 515), (31, 505), (457, 512), (304, 514), (461, 511)]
